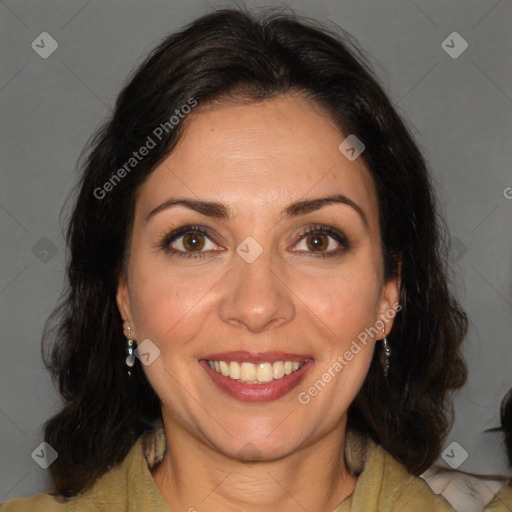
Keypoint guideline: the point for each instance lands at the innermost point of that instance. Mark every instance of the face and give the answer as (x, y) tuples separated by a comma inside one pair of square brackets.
[(237, 256)]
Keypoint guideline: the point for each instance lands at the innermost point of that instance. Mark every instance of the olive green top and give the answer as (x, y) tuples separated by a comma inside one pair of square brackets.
[(384, 485)]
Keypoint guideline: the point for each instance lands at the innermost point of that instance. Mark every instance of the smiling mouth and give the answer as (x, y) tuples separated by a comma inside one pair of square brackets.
[(259, 373)]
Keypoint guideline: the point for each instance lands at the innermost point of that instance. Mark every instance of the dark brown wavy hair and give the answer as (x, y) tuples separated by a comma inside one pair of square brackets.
[(234, 54), (506, 424)]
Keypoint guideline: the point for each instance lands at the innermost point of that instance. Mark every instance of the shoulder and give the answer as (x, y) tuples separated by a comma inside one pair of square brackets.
[(90, 501), (384, 484), (46, 502), (406, 491), (110, 492)]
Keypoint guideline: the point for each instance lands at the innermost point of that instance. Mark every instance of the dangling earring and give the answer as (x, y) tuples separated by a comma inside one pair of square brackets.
[(130, 358), (387, 352)]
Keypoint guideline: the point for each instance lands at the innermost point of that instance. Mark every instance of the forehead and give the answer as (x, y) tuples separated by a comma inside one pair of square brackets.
[(259, 156)]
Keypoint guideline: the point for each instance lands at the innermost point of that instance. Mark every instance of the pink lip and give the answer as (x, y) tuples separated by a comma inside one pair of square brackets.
[(256, 357), (256, 393)]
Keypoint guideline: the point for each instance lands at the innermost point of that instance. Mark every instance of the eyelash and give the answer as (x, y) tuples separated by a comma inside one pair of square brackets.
[(339, 237)]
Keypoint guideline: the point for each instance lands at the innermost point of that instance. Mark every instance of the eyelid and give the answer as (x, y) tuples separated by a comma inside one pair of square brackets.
[(337, 235), (175, 234), (328, 231)]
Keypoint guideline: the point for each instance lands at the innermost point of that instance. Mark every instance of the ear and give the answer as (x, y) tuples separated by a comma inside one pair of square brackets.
[(389, 300), (124, 306)]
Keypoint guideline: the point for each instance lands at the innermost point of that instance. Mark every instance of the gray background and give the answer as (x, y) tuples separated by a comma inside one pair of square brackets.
[(459, 110)]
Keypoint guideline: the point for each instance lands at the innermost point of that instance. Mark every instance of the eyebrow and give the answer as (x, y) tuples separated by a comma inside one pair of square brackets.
[(220, 211)]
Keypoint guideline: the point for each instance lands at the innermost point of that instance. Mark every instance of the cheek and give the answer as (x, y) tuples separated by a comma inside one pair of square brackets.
[(345, 302), (167, 306)]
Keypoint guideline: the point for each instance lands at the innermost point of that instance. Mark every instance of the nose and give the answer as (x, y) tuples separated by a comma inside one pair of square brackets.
[(256, 296)]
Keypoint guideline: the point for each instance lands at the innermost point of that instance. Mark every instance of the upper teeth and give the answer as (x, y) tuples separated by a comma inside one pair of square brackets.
[(255, 373)]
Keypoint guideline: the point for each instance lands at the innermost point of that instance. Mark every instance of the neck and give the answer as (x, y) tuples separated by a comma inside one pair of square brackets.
[(193, 476)]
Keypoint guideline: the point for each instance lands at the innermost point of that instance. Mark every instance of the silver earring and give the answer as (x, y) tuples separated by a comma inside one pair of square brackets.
[(387, 352), (130, 358)]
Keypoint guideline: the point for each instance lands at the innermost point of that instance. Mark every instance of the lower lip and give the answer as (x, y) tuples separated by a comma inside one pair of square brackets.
[(257, 393)]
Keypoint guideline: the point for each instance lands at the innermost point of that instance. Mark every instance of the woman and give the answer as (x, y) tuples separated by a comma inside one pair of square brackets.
[(258, 314)]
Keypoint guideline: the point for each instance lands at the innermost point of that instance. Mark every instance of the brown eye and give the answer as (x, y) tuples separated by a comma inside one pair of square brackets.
[(193, 242), (317, 242), (190, 241), (322, 240)]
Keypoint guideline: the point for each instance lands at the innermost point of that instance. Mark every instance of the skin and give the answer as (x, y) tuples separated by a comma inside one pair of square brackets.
[(256, 159)]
